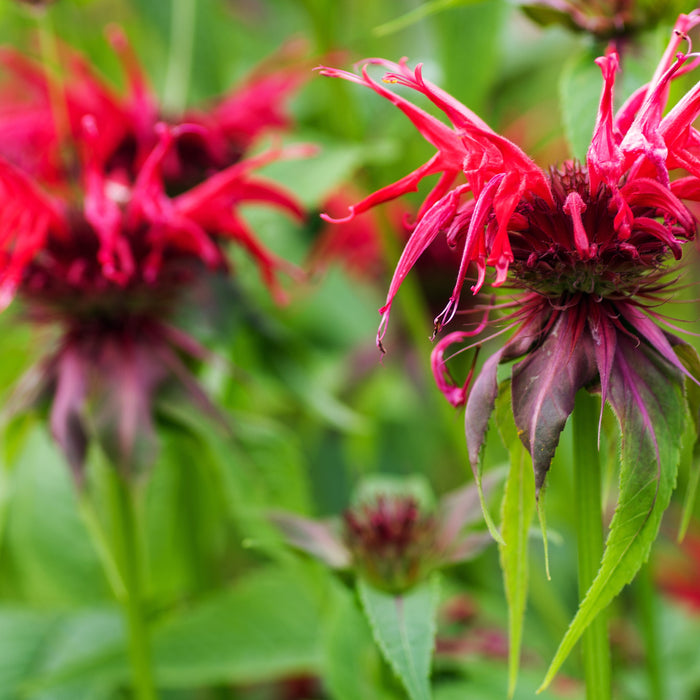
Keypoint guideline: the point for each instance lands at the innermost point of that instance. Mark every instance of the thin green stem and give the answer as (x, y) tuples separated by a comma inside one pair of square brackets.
[(647, 607), (177, 78), (589, 535), (128, 553), (101, 543)]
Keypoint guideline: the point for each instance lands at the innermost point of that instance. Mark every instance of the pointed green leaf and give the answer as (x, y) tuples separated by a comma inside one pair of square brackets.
[(352, 666), (688, 355), (646, 396), (404, 628), (516, 513)]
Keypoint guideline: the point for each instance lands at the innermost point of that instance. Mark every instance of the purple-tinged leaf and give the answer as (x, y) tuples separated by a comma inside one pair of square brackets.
[(646, 395), (460, 508), (480, 404), (317, 538), (544, 386), (66, 419)]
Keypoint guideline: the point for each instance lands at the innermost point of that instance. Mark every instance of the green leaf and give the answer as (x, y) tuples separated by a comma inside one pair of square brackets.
[(517, 511), (404, 628), (418, 14), (688, 355), (22, 633), (352, 667), (646, 396), (580, 88), (264, 627), (47, 542)]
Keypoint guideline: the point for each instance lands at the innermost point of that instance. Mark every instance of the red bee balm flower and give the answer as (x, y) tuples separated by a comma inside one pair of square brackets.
[(99, 235), (587, 245)]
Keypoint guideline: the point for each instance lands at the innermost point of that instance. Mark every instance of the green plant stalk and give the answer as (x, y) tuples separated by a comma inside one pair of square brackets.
[(128, 554), (589, 534), (101, 543), (177, 77), (647, 607)]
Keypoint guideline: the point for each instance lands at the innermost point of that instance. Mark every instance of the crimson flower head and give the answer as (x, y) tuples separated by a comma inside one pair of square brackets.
[(586, 247), (100, 236)]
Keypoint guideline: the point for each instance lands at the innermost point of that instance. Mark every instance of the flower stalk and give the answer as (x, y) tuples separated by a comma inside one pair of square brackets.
[(127, 551), (589, 537)]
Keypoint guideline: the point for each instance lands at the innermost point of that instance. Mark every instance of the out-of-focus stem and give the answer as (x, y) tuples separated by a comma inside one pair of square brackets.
[(589, 535), (128, 553), (647, 607)]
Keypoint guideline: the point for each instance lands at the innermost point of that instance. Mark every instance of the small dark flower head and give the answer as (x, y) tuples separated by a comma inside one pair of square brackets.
[(605, 19), (391, 537), (392, 543)]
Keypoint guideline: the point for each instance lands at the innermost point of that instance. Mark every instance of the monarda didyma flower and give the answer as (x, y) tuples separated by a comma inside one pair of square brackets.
[(104, 235), (588, 250), (587, 246)]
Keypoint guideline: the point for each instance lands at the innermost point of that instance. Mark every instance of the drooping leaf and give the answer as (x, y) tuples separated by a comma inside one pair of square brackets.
[(480, 405), (404, 628), (516, 514), (646, 395), (544, 386)]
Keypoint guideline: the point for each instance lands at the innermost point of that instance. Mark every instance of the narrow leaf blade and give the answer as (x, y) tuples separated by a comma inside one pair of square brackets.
[(516, 513), (404, 628)]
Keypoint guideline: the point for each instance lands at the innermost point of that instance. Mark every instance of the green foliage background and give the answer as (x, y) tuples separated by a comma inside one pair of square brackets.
[(234, 613)]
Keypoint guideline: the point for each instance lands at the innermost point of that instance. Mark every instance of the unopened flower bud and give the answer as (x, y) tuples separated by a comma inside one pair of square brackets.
[(391, 542)]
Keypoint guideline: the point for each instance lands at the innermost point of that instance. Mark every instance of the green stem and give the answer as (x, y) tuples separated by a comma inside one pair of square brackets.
[(648, 606), (127, 551), (101, 544), (589, 533), (177, 78)]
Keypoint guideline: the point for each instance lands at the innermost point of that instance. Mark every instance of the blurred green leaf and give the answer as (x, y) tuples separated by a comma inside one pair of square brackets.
[(516, 514), (264, 626), (47, 541), (352, 665), (579, 91), (418, 14), (404, 628), (27, 630)]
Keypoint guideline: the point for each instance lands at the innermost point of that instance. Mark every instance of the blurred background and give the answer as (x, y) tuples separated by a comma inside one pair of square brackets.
[(315, 411)]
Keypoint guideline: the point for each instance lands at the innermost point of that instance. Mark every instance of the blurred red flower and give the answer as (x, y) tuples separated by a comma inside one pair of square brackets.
[(108, 220)]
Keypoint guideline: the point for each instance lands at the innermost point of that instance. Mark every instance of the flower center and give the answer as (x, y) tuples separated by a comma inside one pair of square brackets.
[(582, 246)]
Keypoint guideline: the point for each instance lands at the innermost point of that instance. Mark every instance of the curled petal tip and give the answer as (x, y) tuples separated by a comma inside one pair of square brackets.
[(341, 220)]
